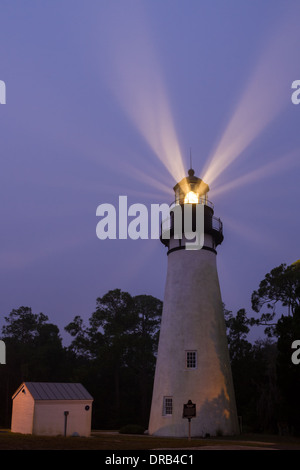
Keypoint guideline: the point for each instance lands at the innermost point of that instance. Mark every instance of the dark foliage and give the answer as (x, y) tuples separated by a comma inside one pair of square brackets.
[(114, 356)]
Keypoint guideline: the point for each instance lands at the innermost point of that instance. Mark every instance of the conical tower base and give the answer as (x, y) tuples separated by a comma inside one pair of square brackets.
[(193, 359)]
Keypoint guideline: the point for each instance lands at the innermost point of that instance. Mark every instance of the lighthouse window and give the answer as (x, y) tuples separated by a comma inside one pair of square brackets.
[(168, 406), (191, 359)]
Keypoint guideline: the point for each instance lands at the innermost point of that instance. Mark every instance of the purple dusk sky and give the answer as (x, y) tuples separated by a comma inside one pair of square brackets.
[(106, 98)]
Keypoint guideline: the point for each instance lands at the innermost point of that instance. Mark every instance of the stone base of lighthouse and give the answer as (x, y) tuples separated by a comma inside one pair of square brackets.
[(193, 359)]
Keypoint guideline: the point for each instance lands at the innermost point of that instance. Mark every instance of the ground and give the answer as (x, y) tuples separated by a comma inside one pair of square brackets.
[(113, 441)]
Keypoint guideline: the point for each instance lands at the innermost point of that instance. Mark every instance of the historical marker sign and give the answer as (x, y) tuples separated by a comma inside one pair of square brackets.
[(189, 410)]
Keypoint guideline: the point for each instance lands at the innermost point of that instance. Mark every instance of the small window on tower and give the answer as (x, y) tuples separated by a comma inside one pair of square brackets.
[(191, 359), (168, 406)]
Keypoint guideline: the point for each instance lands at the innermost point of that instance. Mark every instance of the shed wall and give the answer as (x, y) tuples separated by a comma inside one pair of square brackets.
[(22, 413), (49, 417)]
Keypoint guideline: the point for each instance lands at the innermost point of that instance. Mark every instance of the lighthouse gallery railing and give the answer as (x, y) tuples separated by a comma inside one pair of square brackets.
[(217, 224)]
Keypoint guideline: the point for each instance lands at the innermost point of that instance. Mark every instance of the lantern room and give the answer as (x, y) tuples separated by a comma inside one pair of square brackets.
[(191, 190)]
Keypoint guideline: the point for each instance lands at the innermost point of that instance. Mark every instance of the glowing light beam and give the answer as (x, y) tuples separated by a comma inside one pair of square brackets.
[(136, 81), (265, 171), (262, 101)]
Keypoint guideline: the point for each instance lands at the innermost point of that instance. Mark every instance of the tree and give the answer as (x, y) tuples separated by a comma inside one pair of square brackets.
[(111, 328), (242, 364), (23, 325), (254, 374), (34, 353), (280, 286), (142, 356), (120, 345), (263, 379), (288, 374), (34, 347), (237, 331)]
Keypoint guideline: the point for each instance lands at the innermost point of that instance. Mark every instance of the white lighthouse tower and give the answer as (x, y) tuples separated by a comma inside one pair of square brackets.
[(193, 359)]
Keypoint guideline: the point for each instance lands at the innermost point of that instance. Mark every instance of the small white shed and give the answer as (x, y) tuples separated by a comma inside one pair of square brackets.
[(51, 409)]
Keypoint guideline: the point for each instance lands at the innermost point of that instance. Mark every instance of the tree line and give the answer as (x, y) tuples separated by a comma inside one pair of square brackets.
[(114, 356)]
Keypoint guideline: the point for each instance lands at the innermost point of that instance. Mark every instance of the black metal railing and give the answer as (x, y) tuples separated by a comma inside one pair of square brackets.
[(167, 224), (217, 224)]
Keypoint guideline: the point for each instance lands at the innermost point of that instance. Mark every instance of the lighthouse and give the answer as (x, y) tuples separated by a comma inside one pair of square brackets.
[(193, 363)]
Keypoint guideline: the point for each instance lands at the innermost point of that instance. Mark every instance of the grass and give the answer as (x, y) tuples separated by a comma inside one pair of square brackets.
[(114, 441)]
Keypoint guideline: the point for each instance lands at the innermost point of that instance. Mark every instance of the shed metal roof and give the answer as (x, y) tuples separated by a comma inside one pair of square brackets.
[(56, 391)]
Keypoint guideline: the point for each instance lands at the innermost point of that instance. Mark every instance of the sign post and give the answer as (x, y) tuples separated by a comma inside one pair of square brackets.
[(66, 413), (189, 412)]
